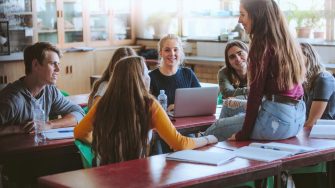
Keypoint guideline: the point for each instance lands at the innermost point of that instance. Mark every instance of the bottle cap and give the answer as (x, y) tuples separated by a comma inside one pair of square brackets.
[(162, 91)]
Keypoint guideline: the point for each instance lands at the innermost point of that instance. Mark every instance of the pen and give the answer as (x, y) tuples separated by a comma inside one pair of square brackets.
[(65, 131), (264, 147)]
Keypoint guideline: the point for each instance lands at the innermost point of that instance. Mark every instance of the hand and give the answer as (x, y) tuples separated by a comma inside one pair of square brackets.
[(232, 138), (170, 107), (211, 139), (27, 127)]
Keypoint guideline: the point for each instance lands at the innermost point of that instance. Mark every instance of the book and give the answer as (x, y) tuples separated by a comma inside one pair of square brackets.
[(60, 133), (270, 151), (323, 129), (201, 157)]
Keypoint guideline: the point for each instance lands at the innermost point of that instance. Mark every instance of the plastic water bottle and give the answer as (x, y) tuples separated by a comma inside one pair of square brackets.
[(39, 124), (162, 98)]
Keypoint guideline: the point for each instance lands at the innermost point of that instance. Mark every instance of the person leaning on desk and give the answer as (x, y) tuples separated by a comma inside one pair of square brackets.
[(119, 126), (18, 99)]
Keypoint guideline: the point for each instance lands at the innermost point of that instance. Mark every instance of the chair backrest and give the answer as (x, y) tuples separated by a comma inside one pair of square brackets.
[(86, 153), (65, 94)]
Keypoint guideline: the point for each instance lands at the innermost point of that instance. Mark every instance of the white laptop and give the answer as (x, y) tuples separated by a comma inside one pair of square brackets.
[(196, 101)]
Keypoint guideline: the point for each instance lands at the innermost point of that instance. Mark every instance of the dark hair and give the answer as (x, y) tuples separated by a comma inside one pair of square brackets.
[(123, 115), (118, 54), (313, 65), (270, 35), (37, 51), (229, 70)]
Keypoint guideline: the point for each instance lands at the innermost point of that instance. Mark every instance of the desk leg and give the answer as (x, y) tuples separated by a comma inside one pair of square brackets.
[(330, 173), (278, 181)]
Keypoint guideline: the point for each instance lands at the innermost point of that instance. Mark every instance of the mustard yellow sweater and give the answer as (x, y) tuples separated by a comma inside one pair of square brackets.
[(160, 121)]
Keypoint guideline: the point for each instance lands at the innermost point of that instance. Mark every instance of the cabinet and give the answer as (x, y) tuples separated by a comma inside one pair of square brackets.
[(11, 71), (70, 23), (75, 72), (20, 16)]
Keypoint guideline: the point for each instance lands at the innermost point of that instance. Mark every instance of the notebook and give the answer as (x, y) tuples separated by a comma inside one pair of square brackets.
[(201, 157), (270, 151), (323, 129), (60, 133), (195, 101)]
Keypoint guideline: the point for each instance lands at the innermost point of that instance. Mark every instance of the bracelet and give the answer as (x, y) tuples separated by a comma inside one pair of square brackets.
[(207, 140)]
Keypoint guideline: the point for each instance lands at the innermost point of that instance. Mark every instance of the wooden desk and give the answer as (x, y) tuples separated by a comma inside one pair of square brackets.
[(23, 161), (157, 172), (189, 125), (81, 99)]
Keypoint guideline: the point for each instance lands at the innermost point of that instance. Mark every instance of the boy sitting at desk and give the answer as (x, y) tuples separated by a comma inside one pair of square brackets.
[(18, 99)]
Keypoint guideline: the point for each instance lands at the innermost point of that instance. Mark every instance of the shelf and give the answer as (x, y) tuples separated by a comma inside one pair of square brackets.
[(99, 29), (73, 30), (20, 13), (18, 28), (48, 31)]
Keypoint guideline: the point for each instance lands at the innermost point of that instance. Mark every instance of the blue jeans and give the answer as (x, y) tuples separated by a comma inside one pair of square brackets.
[(275, 121), (228, 111)]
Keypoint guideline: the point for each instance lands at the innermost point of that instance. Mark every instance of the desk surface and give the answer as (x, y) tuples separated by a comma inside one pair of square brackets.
[(156, 171)]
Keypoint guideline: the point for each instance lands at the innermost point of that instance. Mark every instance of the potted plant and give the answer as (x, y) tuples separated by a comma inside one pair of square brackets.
[(160, 22)]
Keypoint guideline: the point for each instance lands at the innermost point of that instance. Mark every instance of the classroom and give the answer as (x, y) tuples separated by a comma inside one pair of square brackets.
[(178, 93)]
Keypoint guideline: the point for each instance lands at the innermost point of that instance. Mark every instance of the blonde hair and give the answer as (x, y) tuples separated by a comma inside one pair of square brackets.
[(162, 41)]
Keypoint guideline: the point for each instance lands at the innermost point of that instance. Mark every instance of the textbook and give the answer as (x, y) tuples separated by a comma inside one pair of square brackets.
[(201, 157), (60, 133), (323, 129), (270, 151)]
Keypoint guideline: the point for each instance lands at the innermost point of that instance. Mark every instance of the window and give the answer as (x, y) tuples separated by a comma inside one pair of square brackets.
[(197, 19)]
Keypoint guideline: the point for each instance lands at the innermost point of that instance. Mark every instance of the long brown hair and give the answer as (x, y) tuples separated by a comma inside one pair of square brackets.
[(313, 65), (118, 54), (270, 34), (122, 118), (229, 70)]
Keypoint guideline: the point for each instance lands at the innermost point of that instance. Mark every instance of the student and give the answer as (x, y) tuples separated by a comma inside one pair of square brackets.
[(123, 119), (275, 109), (37, 88), (233, 79), (170, 76), (319, 88), (100, 85)]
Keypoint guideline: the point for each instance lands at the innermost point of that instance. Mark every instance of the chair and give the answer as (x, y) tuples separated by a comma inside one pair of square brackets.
[(86, 153), (65, 94)]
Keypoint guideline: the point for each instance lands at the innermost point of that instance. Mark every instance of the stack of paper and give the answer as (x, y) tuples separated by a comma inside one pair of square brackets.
[(60, 133), (270, 151), (202, 157), (323, 129)]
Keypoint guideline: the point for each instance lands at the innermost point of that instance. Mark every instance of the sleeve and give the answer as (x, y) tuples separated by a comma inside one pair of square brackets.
[(226, 87), (194, 80), (6, 112), (167, 131), (254, 100), (85, 127), (153, 84), (323, 88), (63, 106)]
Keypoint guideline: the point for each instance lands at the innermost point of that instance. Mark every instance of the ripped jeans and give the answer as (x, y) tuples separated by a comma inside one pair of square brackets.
[(275, 121)]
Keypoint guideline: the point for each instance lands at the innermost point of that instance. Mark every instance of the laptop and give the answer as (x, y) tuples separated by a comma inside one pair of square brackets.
[(198, 101)]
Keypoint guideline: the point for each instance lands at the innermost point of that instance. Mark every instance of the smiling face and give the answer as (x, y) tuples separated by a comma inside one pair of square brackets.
[(237, 58), (244, 19), (170, 53), (49, 69)]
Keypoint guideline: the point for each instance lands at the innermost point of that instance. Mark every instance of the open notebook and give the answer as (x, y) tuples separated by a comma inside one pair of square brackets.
[(270, 151), (201, 157), (323, 129), (60, 133)]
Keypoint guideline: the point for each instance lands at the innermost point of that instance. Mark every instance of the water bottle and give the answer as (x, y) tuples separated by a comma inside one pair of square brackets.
[(39, 124), (162, 98)]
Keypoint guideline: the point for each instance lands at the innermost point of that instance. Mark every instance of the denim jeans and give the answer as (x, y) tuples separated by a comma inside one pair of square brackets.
[(228, 111), (275, 121)]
